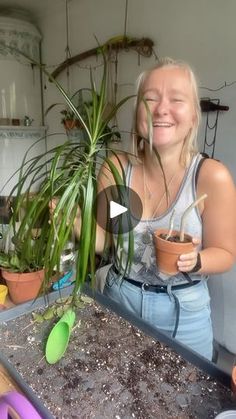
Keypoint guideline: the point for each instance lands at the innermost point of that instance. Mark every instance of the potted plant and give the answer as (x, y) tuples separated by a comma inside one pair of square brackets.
[(84, 105), (170, 243), (68, 120), (69, 171), (22, 262), (82, 101)]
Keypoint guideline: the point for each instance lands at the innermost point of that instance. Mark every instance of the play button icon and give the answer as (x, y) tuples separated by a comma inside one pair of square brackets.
[(118, 209)]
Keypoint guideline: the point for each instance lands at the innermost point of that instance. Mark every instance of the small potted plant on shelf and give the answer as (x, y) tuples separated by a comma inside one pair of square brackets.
[(170, 243), (68, 120), (82, 105)]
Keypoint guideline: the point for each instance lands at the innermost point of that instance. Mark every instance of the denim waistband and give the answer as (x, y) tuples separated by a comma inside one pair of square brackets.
[(158, 288), (162, 289)]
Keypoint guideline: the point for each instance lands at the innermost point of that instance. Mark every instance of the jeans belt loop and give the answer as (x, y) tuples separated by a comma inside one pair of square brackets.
[(169, 291)]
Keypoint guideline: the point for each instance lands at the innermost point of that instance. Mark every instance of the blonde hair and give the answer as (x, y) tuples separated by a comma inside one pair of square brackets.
[(190, 144)]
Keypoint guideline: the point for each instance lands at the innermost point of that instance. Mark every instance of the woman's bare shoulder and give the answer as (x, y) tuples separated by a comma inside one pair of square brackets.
[(214, 172), (216, 181), (119, 160)]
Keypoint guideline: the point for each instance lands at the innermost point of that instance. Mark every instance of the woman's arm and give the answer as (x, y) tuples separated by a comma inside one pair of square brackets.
[(105, 179), (218, 217)]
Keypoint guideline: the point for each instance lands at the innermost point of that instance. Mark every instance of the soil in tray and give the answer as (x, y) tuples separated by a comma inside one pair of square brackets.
[(110, 370)]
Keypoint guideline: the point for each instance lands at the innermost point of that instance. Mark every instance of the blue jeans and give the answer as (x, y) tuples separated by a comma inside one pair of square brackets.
[(159, 309)]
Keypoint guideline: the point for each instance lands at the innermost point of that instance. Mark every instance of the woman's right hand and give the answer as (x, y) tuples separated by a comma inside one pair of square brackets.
[(52, 206), (77, 223)]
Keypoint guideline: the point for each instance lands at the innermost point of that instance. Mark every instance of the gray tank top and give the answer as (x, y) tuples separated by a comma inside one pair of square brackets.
[(144, 268)]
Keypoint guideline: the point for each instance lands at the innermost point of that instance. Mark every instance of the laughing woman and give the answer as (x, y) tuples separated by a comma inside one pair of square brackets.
[(176, 304)]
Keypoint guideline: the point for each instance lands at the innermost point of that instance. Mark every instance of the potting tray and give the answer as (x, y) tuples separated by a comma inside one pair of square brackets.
[(111, 370), (27, 307)]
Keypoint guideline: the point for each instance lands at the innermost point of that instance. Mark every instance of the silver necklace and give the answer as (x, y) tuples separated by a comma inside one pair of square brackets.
[(147, 235)]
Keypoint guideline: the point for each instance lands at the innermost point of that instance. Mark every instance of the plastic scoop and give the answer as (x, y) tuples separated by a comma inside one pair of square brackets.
[(59, 336)]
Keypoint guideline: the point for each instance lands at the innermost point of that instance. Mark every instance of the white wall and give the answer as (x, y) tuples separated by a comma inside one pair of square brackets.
[(200, 32)]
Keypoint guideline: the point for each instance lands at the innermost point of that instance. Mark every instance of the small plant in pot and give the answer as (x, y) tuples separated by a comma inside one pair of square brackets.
[(22, 265), (69, 121), (170, 243), (83, 103)]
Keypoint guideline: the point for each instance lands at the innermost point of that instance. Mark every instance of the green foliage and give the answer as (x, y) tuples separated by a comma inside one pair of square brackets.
[(81, 104), (25, 253), (60, 307), (69, 172), (16, 262), (12, 262)]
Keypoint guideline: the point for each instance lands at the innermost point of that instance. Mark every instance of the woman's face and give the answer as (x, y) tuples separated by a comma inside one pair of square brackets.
[(168, 93)]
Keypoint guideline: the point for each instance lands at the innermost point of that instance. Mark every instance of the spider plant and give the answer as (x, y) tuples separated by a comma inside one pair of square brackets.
[(69, 172), (14, 256)]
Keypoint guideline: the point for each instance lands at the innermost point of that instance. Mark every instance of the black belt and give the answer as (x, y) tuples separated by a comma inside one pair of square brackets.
[(162, 289), (158, 288), (155, 288)]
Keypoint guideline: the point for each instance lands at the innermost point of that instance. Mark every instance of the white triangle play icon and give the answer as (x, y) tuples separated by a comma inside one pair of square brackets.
[(116, 209)]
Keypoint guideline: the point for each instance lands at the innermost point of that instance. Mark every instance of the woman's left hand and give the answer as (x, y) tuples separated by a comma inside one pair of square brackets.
[(187, 261)]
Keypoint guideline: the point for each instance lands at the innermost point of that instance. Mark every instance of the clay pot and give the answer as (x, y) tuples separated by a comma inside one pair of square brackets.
[(23, 286), (71, 124), (167, 252)]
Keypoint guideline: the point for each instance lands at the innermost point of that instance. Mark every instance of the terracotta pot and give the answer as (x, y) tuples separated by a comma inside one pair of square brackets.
[(23, 286), (233, 380), (71, 123), (167, 252)]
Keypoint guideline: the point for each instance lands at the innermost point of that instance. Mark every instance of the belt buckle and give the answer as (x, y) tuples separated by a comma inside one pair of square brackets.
[(145, 286)]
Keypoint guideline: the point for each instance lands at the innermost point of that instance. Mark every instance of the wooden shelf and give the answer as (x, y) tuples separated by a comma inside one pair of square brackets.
[(18, 132)]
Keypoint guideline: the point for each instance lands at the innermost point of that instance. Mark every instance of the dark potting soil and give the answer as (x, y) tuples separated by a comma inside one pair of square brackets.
[(175, 238), (110, 370)]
